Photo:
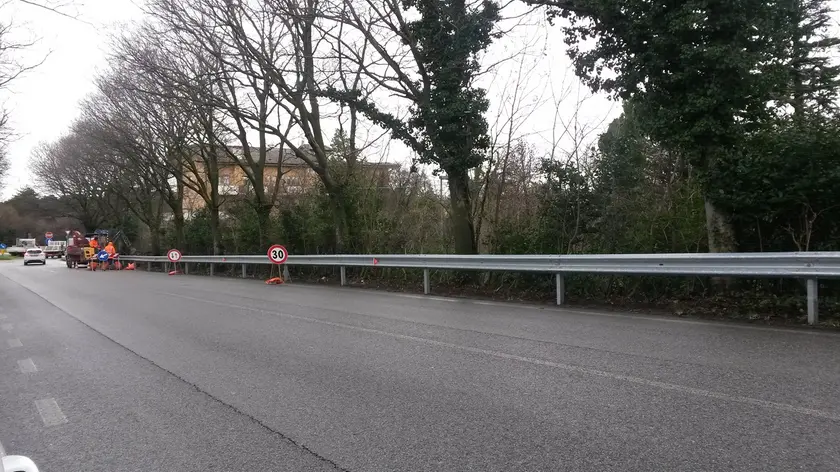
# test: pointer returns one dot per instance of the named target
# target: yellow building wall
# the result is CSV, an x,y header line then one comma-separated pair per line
x,y
233,184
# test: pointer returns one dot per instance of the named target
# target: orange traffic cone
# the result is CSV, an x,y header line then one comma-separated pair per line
x,y
274,281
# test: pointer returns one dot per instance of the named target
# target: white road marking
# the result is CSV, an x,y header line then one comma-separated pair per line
x,y
428,297
50,412
14,343
27,366
556,365
6,326
2,450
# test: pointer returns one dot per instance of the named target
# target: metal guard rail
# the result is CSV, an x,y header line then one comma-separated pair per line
x,y
806,265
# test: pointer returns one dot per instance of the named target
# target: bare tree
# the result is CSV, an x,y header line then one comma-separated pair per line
x,y
11,68
427,59
277,51
238,89
140,132
183,80
521,95
64,168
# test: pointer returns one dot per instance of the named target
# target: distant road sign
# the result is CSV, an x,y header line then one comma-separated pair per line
x,y
48,235
2,246
173,255
277,254
102,256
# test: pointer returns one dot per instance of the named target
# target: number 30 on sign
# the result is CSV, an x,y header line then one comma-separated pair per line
x,y
277,254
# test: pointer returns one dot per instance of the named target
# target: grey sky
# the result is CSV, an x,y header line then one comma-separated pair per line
x,y
45,101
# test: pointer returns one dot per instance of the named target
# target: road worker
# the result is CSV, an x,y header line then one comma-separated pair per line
x,y
111,250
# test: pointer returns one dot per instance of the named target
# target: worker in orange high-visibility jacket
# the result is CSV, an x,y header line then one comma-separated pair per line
x,y
111,250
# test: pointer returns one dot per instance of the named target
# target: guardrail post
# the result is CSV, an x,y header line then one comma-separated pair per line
x,y
186,268
244,270
813,301
560,281
286,276
343,276
211,269
427,285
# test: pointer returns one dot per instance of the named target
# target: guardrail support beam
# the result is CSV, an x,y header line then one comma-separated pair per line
x,y
427,284
286,276
560,282
813,301
211,269
244,270
186,268
343,276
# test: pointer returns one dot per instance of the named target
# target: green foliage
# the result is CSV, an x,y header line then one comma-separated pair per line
x,y
451,119
198,234
691,68
801,57
624,149
307,224
784,186
29,214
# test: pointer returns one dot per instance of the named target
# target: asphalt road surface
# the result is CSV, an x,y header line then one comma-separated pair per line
x,y
136,371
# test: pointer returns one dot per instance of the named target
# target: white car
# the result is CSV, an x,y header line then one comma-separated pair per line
x,y
34,256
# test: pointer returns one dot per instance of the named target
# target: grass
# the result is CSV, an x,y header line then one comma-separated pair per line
x,y
6,257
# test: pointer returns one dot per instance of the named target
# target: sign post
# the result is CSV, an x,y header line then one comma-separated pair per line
x,y
277,254
174,256
101,258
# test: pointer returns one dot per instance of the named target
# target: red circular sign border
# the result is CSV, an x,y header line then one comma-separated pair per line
x,y
285,251
170,252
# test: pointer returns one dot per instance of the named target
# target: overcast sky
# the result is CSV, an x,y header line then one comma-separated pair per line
x,y
45,101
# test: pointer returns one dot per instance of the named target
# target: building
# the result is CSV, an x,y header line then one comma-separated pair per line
x,y
296,177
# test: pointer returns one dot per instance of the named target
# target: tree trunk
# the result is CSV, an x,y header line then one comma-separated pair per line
x,y
463,229
178,223
719,229
264,222
339,212
178,216
215,232
155,240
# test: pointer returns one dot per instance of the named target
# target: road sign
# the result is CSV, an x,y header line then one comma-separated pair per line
x,y
48,235
277,254
102,256
2,246
173,255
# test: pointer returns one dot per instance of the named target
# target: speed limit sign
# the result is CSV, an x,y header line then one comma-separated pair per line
x,y
173,255
277,254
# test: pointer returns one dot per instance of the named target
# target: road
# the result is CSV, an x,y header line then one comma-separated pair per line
x,y
143,371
